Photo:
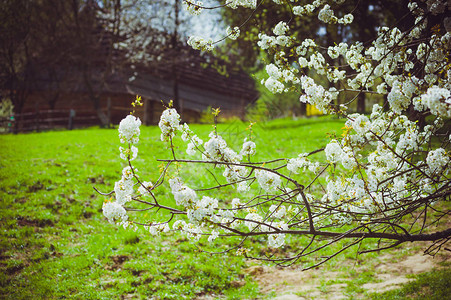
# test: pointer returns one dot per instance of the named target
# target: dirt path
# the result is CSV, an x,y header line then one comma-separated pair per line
x,y
293,284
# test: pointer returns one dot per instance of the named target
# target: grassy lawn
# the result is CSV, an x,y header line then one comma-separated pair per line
x,y
55,242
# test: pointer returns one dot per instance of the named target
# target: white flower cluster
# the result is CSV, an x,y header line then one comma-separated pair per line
x,y
216,149
203,208
382,163
199,211
279,39
155,229
113,211
256,222
380,61
129,129
295,165
437,160
194,141
337,50
183,195
145,187
273,83
333,152
169,124
252,4
326,15
277,211
277,240
306,9
385,177
234,33
316,94
248,148
438,101
128,153
194,232
401,94
281,28
347,19
201,44
193,7
268,181
253,220
123,189
266,41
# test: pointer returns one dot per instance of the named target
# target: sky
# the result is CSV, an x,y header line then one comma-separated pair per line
x,y
208,24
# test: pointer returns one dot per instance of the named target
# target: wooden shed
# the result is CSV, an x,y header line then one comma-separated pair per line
x,y
61,99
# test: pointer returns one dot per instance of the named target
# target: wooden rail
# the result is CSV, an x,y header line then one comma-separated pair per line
x,y
48,119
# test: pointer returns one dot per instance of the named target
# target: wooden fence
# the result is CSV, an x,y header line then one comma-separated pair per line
x,y
49,119
41,120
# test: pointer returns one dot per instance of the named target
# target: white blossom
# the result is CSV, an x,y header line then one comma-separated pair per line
x,y
268,180
248,148
326,15
169,124
438,100
129,129
114,212
281,28
128,153
333,152
254,220
437,160
183,195
234,33
199,43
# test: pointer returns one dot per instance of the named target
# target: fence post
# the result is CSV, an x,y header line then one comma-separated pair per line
x,y
72,114
108,111
37,120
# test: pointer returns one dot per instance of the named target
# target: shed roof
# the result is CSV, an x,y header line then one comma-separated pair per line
x,y
199,84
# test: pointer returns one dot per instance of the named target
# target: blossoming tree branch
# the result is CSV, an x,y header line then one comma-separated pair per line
x,y
387,178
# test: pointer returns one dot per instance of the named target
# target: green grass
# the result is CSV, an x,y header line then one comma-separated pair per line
x,y
55,242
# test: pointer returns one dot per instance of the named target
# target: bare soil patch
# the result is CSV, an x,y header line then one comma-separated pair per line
x,y
389,273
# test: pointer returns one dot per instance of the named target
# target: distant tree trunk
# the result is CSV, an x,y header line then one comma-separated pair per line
x,y
303,109
386,105
18,98
94,97
361,103
52,98
102,117
175,91
178,105
419,117
88,44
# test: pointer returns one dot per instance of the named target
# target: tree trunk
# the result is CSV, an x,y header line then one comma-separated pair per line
x,y
361,103
104,121
303,109
175,74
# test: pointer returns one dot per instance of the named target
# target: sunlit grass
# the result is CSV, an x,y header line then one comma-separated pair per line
x,y
55,242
